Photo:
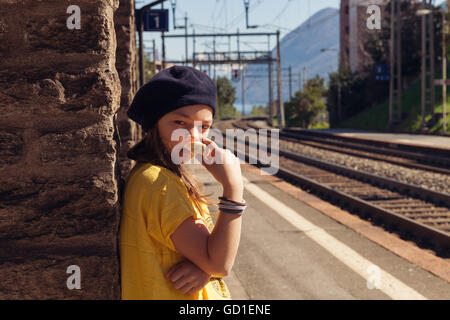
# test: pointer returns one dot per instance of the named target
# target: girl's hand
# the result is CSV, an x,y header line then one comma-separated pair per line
x,y
187,277
226,169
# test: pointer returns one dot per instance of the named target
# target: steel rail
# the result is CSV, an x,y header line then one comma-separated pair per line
x,y
439,238
375,152
425,153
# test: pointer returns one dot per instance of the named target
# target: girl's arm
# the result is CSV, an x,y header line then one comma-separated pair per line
x,y
187,277
215,252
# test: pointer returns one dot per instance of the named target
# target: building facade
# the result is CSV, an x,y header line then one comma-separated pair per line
x,y
353,30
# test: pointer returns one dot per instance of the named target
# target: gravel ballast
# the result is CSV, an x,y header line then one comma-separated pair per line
x,y
425,179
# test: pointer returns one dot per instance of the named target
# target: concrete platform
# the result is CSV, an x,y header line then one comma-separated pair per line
x,y
404,138
277,260
415,139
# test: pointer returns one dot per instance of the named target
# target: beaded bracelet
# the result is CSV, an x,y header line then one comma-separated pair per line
x,y
231,206
232,201
238,212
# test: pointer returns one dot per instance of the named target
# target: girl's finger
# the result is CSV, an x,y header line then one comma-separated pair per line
x,y
175,268
186,288
208,141
184,273
182,282
193,290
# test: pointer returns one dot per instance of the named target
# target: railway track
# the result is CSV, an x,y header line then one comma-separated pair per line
x,y
429,159
419,214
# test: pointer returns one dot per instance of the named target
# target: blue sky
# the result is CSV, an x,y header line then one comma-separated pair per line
x,y
205,16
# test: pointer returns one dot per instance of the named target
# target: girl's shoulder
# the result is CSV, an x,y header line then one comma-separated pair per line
x,y
154,175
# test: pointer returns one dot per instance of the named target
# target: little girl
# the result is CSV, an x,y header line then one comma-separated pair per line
x,y
169,247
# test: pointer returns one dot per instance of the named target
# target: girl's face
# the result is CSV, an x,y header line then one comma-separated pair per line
x,y
183,118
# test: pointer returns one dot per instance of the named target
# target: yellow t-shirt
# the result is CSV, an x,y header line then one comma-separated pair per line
x,y
155,202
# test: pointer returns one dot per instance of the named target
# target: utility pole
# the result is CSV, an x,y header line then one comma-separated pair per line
x,y
186,38
141,48
281,122
163,58
444,72
243,91
304,77
290,82
214,57
186,57
428,91
300,87
239,68
395,81
154,55
141,12
270,106
193,48
240,58
163,45
339,98
246,4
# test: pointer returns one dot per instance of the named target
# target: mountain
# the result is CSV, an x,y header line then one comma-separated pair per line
x,y
299,48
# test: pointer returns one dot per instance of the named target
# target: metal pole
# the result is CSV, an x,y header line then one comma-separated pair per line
x,y
239,66
239,51
398,56
391,69
339,99
243,91
270,105
163,58
141,49
290,82
431,59
154,55
339,87
444,73
304,77
186,38
300,79
246,15
423,61
141,35
281,122
193,48
214,56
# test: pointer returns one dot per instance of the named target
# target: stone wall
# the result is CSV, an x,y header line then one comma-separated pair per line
x,y
127,67
59,97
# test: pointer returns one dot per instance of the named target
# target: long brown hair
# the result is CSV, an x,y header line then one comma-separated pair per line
x,y
151,149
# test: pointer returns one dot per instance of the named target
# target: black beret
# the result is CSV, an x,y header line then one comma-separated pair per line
x,y
170,89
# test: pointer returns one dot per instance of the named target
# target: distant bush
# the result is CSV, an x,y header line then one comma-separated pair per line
x,y
226,96
260,111
304,108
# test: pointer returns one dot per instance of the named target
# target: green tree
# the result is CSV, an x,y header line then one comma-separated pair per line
x,y
226,96
358,92
260,111
149,71
303,109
